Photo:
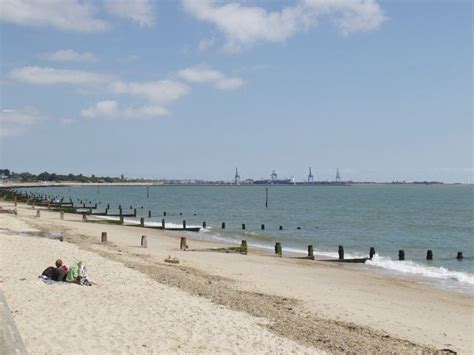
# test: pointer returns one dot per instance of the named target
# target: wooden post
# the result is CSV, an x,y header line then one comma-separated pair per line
x,y
263,227
163,223
340,251
429,255
38,213
183,245
204,224
281,228
223,225
459,256
184,224
84,218
278,249
310,251
149,214
401,254
243,247
142,222
15,202
144,243
164,213
61,215
371,252
121,220
266,197
134,212
243,226
103,238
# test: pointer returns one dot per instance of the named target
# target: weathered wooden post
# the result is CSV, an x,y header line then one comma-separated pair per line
x,y
243,247
278,249
243,226
371,252
263,227
144,243
38,213
184,224
163,223
149,214
340,251
134,212
103,237
310,252
84,218
401,254
266,197
142,222
61,215
223,225
183,245
204,225
15,204
121,220
459,256
429,255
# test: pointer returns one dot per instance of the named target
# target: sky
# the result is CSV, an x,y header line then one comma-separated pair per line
x,y
381,90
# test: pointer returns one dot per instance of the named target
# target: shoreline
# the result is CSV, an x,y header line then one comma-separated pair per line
x,y
261,272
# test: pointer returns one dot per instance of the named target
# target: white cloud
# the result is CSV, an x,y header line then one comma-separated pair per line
x,y
246,25
139,11
205,44
69,55
67,15
161,91
351,15
109,109
51,76
205,74
17,122
66,121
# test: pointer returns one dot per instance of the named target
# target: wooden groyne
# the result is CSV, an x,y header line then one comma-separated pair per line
x,y
88,208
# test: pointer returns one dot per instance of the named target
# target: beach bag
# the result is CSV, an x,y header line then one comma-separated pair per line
x,y
49,272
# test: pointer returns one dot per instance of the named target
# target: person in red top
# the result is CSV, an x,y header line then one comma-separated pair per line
x,y
61,271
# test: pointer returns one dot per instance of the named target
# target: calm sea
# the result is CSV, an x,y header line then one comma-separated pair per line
x,y
387,217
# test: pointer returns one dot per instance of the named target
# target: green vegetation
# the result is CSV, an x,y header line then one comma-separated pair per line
x,y
6,174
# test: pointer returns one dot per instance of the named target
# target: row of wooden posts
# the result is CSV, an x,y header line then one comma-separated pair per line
x,y
278,246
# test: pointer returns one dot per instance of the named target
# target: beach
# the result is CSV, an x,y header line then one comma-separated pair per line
x,y
212,301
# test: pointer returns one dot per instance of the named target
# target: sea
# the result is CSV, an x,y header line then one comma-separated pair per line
x,y
413,218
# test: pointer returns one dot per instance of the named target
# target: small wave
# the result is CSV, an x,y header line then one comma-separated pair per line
x,y
410,267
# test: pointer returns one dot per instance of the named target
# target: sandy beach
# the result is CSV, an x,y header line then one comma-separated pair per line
x,y
212,301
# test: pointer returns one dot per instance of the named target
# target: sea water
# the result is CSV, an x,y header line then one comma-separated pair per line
x,y
414,218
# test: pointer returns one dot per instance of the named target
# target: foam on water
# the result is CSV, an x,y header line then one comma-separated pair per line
x,y
413,268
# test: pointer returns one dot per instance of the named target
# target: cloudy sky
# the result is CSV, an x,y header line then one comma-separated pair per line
x,y
381,90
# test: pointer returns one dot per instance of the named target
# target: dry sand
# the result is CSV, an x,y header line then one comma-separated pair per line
x,y
260,303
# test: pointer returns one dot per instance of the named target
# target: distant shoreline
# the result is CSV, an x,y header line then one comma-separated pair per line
x,y
345,184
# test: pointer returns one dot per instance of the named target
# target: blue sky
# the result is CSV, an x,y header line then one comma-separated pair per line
x,y
381,90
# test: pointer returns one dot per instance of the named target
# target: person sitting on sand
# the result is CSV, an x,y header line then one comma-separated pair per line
x,y
61,271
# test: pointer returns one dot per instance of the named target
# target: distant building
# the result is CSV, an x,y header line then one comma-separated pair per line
x,y
237,177
274,176
310,176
